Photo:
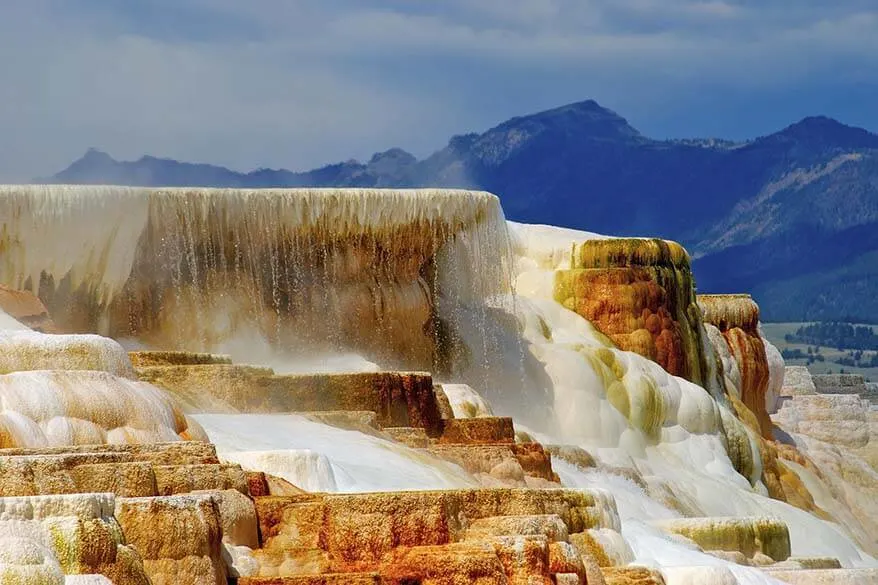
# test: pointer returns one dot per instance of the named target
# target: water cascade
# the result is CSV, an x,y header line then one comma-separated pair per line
x,y
284,272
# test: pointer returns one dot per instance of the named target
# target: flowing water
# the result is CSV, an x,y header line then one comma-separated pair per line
x,y
323,279
266,275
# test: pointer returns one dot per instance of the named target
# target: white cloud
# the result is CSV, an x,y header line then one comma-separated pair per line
x,y
243,104
297,84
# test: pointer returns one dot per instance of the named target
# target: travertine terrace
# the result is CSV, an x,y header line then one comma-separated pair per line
x,y
277,387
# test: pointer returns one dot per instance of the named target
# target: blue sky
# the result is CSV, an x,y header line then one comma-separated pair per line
x,y
300,83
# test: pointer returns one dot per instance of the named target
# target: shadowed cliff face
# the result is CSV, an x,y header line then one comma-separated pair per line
x,y
737,318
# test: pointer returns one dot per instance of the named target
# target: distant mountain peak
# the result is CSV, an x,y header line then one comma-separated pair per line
x,y
577,122
587,117
94,161
95,155
827,132
151,158
811,124
396,154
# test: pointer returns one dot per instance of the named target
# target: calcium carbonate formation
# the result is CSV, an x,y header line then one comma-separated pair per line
x,y
666,410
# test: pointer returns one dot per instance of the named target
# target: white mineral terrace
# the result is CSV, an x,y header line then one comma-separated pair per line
x,y
94,233
394,279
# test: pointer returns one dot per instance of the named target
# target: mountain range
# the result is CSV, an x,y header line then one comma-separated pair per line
x,y
791,217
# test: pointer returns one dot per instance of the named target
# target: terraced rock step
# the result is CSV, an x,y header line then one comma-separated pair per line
x,y
77,532
438,513
123,470
494,536
549,525
325,579
827,576
839,383
404,406
364,421
399,399
840,419
79,473
178,537
503,462
180,479
474,431
172,453
444,565
748,535
633,576
797,381
793,563
438,537
409,436
140,359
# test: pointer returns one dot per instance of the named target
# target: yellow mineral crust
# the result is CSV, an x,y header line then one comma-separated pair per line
x,y
768,536
178,537
23,561
175,358
75,534
629,252
640,293
730,311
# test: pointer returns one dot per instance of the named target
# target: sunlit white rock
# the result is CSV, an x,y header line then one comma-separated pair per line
x,y
31,350
775,375
7,323
466,402
44,408
25,561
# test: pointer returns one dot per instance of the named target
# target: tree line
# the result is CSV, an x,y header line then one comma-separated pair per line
x,y
841,336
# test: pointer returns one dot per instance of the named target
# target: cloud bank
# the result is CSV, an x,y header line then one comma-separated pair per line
x,y
301,83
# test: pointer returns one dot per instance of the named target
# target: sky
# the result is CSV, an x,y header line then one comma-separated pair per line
x,y
300,83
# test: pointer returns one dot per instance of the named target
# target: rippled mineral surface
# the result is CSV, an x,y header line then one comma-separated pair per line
x,y
321,386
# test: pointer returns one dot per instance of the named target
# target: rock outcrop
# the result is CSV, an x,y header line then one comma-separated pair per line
x,y
298,270
27,309
61,535
840,419
833,429
749,536
641,294
756,377
839,384
32,350
797,381
79,407
399,399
